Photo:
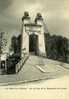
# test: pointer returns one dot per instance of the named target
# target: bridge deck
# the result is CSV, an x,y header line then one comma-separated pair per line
x,y
35,69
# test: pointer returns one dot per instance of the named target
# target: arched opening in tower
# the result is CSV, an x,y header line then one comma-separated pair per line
x,y
33,44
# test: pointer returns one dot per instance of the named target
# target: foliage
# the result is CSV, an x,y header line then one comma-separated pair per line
x,y
56,47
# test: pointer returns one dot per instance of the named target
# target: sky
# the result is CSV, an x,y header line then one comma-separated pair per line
x,y
54,12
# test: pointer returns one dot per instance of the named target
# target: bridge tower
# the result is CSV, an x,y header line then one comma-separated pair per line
x,y
33,35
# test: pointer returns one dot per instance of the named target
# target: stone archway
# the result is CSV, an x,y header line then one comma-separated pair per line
x,y
33,44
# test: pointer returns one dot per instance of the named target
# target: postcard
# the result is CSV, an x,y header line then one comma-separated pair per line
x,y
34,49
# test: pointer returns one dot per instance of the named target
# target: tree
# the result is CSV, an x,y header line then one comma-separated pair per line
x,y
19,43
15,57
3,43
14,44
56,47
